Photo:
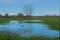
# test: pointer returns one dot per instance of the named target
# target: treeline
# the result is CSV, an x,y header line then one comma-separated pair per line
x,y
18,15
27,15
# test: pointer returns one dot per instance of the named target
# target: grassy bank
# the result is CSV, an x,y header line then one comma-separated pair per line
x,y
53,22
5,36
5,20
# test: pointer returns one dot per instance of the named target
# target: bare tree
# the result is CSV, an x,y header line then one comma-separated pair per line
x,y
28,10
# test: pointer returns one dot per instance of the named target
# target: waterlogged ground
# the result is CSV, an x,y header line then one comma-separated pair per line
x,y
26,29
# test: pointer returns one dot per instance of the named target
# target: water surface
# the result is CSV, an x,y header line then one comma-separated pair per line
x,y
30,29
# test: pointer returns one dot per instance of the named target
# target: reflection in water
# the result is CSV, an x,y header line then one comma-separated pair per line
x,y
29,29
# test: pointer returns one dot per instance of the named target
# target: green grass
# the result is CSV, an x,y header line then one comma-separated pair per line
x,y
53,22
5,36
5,20
10,36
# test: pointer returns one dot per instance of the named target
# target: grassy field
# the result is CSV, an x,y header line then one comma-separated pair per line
x,y
53,22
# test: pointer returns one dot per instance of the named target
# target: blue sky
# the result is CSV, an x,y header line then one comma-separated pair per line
x,y
40,7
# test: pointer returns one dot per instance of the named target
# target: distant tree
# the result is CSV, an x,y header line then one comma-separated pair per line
x,y
20,15
12,15
28,15
1,15
6,15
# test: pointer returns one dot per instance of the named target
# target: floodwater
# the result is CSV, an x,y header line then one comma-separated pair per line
x,y
29,29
